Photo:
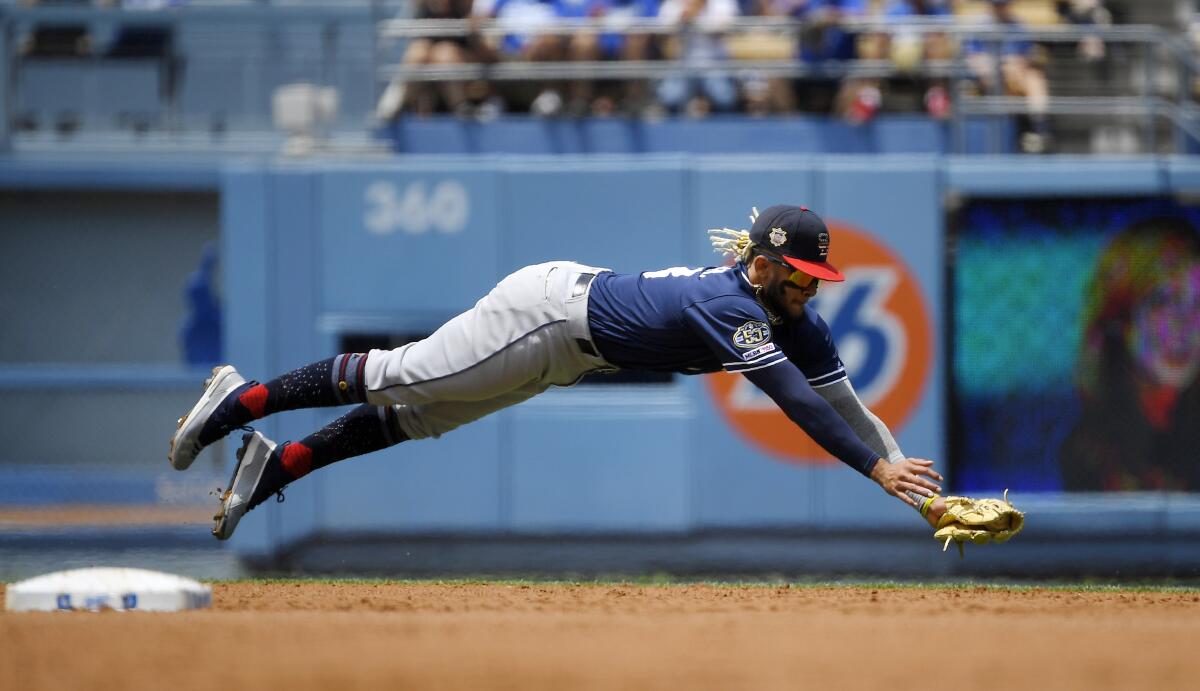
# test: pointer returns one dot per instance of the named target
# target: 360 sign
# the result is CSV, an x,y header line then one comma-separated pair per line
x,y
882,328
446,207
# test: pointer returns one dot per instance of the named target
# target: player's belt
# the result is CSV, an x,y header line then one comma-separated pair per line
x,y
581,284
579,289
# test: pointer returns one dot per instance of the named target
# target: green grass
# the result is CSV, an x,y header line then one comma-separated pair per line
x,y
655,580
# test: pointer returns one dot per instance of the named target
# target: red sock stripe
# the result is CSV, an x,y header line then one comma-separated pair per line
x,y
255,400
362,367
297,460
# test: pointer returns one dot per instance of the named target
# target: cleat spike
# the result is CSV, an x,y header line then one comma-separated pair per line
x,y
252,457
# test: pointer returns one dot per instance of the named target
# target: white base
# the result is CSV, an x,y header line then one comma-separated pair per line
x,y
101,588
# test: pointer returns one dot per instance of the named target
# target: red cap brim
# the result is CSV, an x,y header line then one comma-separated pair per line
x,y
822,270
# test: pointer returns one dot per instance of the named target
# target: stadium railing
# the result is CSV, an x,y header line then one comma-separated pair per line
x,y
1143,100
1156,49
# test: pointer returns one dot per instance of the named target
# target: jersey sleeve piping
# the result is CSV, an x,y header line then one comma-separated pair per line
x,y
826,379
762,358
751,366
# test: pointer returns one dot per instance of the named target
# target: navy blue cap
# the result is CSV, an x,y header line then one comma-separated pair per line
x,y
799,237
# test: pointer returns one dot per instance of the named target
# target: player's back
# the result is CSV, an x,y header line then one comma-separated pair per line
x,y
638,320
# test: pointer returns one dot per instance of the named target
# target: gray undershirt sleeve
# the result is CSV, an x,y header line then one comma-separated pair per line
x,y
869,428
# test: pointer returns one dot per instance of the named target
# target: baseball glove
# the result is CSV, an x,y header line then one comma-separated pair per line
x,y
979,521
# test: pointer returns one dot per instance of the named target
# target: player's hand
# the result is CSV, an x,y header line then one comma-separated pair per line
x,y
910,475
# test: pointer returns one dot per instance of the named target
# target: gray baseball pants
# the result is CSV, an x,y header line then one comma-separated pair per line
x,y
528,334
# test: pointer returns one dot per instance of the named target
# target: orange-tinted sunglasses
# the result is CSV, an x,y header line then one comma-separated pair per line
x,y
801,279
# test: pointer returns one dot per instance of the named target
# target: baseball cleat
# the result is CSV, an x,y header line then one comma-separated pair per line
x,y
247,476
185,445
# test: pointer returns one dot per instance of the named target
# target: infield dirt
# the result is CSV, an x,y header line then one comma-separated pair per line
x,y
477,636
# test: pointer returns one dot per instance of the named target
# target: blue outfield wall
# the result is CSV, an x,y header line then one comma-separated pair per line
x,y
718,134
316,250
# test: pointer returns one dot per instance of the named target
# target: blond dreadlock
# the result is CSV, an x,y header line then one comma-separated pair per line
x,y
731,242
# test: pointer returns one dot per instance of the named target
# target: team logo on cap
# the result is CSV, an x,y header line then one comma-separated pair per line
x,y
751,334
778,237
823,244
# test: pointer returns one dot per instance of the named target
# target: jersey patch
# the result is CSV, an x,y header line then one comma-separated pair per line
x,y
762,349
751,334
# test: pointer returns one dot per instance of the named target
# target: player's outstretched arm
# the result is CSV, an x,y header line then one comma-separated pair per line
x,y
869,428
879,438
791,392
911,476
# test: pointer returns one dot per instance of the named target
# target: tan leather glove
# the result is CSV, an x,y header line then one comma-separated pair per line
x,y
979,521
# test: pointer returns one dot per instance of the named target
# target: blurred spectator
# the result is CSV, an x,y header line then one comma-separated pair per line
x,y
530,24
1086,13
582,46
142,4
907,49
824,38
1016,73
630,46
595,46
531,38
421,97
823,35
762,94
697,41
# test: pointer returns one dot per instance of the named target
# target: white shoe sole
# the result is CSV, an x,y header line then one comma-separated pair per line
x,y
185,445
252,459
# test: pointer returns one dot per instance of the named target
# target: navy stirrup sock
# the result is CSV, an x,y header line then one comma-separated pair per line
x,y
365,429
333,382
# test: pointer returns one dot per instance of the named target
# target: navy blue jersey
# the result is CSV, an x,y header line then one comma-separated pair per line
x,y
704,320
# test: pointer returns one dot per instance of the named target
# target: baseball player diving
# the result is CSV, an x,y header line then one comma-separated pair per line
x,y
549,325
